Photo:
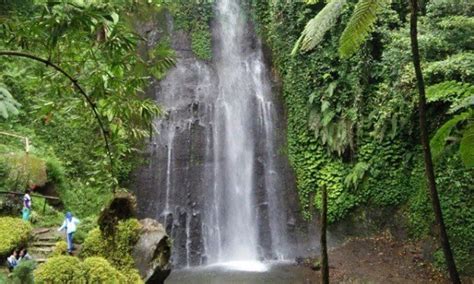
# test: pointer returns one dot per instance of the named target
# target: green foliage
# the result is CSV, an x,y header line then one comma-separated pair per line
x,y
317,27
360,25
466,147
60,269
449,91
438,141
201,44
87,224
50,217
132,276
455,192
116,249
99,270
60,248
160,59
23,272
25,170
8,105
357,175
374,92
97,44
195,18
14,232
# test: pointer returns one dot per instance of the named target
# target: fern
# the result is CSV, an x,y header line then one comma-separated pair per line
x,y
359,26
464,103
466,148
8,105
449,91
317,27
439,139
357,175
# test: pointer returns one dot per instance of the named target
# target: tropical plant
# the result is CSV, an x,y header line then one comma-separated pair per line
x,y
355,33
357,29
8,105
97,47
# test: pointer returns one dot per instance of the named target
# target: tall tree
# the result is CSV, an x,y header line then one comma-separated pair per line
x,y
355,33
425,142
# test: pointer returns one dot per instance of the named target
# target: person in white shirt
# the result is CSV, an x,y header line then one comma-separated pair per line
x,y
70,224
26,211
12,260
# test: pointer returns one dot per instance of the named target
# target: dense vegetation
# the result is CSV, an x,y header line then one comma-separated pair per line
x,y
352,124
96,45
73,76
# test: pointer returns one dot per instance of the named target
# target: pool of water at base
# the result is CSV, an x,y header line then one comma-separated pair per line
x,y
244,273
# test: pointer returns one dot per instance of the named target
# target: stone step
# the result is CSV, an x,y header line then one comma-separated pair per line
x,y
40,231
46,238
40,260
43,244
40,249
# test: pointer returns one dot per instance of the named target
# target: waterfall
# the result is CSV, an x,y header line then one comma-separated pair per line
x,y
217,179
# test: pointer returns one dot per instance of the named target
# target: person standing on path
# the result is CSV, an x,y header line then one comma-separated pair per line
x,y
70,224
26,211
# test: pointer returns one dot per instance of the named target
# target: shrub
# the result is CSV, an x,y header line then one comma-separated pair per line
x,y
23,273
99,270
132,276
93,244
14,232
55,170
59,249
117,248
87,224
60,269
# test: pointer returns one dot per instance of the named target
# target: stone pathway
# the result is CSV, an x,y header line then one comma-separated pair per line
x,y
42,245
43,242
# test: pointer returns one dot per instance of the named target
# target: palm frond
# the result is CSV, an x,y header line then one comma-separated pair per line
x,y
360,25
317,27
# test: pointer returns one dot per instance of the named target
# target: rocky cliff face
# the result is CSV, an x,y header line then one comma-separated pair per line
x,y
185,181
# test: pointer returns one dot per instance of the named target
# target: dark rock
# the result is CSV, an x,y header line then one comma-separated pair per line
x,y
152,252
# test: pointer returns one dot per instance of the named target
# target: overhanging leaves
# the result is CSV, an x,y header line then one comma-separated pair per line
x,y
360,25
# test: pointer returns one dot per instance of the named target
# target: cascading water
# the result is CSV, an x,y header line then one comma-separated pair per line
x,y
216,178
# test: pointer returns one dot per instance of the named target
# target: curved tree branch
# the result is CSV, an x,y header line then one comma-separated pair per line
x,y
78,87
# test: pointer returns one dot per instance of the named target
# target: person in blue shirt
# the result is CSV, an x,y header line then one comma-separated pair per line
x,y
70,224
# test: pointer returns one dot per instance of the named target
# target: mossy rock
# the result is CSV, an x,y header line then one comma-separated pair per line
x,y
14,233
121,207
60,269
115,248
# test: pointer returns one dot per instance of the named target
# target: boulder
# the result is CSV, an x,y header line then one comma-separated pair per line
x,y
152,252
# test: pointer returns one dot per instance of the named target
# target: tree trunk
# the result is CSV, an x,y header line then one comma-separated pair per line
x,y
429,170
324,247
